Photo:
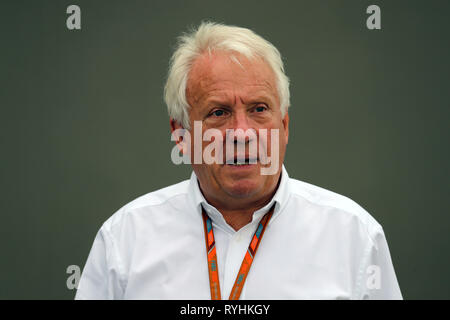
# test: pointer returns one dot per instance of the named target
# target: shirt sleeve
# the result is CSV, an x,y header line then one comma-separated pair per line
x,y
376,278
100,279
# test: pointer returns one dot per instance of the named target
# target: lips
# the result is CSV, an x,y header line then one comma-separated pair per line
x,y
236,161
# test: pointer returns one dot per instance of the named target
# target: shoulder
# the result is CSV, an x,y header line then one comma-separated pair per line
x,y
336,207
148,204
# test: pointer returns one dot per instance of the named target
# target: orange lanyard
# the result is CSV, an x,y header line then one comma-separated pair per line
x,y
213,268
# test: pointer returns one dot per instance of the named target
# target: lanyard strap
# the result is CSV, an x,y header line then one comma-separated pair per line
x,y
213,269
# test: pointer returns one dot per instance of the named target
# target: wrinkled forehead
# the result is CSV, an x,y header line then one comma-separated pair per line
x,y
219,71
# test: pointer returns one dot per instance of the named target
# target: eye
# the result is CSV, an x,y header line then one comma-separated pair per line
x,y
218,113
260,109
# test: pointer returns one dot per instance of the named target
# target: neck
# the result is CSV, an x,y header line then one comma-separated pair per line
x,y
239,217
239,212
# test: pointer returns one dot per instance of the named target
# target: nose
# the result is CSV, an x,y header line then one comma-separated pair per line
x,y
240,125
240,120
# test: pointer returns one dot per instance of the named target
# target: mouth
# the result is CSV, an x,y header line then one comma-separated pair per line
x,y
241,161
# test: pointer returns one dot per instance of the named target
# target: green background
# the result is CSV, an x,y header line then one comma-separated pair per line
x,y
84,129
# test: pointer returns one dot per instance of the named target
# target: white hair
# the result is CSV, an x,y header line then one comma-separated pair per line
x,y
208,37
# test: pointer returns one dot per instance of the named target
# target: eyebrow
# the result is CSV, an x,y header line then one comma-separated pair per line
x,y
216,101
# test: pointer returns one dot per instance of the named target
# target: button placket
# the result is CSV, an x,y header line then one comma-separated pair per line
x,y
235,254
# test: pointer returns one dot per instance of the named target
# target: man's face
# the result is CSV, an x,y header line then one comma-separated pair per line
x,y
225,95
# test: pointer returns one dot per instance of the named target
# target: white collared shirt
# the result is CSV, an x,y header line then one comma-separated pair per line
x,y
318,245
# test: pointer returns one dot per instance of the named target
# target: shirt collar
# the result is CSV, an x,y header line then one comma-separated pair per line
x,y
280,199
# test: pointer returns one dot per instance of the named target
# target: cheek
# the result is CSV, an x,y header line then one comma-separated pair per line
x,y
275,138
283,137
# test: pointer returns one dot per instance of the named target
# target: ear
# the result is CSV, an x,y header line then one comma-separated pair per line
x,y
175,125
286,126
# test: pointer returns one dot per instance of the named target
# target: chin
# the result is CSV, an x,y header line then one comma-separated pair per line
x,y
243,188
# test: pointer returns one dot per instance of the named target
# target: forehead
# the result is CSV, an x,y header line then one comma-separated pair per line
x,y
224,74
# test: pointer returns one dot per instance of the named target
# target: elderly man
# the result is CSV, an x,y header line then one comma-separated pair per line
x,y
236,229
